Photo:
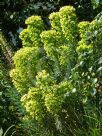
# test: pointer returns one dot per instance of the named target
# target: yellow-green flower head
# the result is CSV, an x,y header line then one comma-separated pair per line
x,y
54,15
67,9
33,20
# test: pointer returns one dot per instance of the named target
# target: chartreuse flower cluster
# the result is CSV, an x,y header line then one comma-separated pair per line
x,y
53,62
31,36
25,68
69,23
83,46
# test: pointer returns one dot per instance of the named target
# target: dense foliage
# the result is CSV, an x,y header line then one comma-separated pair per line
x,y
58,74
9,117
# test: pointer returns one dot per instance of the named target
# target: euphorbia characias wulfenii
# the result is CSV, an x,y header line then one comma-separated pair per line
x,y
50,70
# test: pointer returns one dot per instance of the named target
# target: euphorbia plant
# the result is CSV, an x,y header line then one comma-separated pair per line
x,y
52,70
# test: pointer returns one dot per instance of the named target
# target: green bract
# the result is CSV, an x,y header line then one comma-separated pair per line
x,y
31,36
69,23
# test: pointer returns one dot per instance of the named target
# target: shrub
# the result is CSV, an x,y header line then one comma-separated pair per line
x,y
58,73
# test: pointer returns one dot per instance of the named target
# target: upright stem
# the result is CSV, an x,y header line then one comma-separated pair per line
x,y
6,48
